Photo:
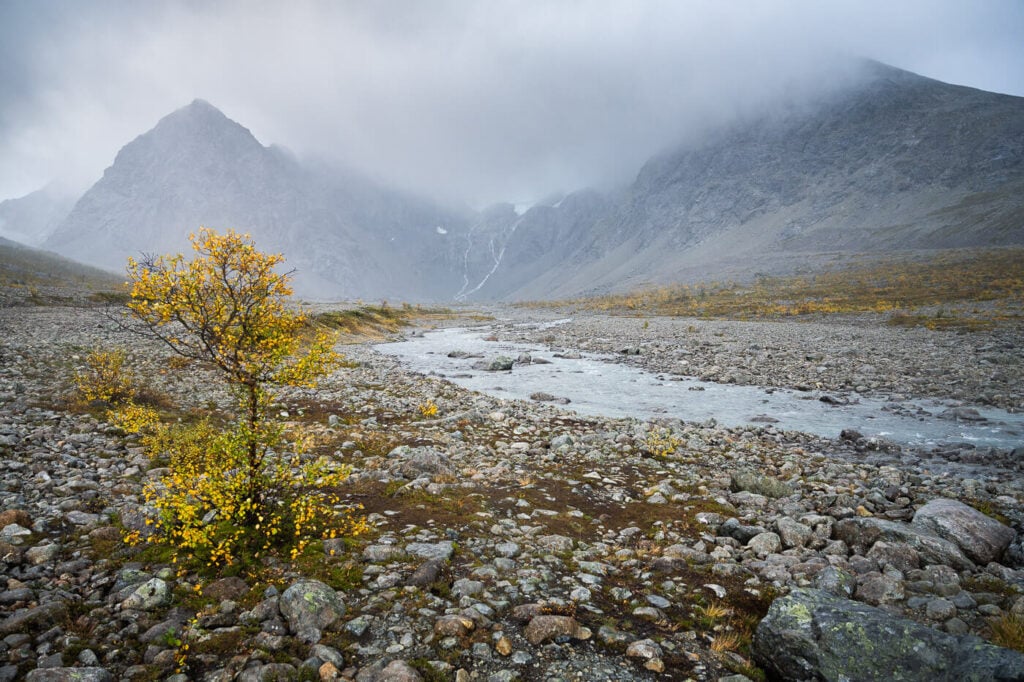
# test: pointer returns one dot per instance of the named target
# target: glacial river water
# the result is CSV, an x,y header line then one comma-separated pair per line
x,y
597,386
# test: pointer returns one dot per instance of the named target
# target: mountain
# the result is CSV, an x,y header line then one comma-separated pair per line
x,y
32,218
344,234
898,161
892,161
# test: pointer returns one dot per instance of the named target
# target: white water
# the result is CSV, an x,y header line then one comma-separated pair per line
x,y
596,386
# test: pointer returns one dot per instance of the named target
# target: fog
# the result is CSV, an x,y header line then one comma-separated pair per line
x,y
463,101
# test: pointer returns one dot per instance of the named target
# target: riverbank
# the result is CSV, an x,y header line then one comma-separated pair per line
x,y
841,354
511,539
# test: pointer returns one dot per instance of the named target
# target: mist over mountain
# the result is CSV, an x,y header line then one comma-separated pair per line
x,y
30,219
344,234
898,161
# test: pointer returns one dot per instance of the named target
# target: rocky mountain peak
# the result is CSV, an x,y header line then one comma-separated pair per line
x,y
196,130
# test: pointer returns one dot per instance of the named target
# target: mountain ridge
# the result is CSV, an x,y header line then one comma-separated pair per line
x,y
198,167
897,161
901,161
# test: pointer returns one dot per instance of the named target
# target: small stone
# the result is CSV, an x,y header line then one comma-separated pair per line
x,y
982,539
717,590
14,533
655,665
940,609
398,671
507,549
453,626
358,625
81,518
658,601
555,543
837,582
879,588
465,587
226,588
328,671
792,533
580,594
40,554
955,626
644,648
503,646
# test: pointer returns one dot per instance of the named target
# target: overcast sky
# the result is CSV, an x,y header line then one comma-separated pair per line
x,y
479,101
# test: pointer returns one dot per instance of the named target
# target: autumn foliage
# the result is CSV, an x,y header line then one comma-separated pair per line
x,y
249,489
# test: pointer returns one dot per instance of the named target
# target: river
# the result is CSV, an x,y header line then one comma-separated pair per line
x,y
597,385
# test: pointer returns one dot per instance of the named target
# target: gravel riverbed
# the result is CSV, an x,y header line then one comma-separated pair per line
x,y
515,540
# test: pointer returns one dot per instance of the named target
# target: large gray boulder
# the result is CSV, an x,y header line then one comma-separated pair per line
x,y
981,538
815,635
311,607
861,533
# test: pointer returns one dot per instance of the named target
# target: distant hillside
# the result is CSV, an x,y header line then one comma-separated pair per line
x,y
32,218
31,276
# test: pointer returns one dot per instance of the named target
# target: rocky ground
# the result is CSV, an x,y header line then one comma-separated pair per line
x,y
513,540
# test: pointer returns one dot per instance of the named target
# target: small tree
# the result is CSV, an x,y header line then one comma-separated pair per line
x,y
228,307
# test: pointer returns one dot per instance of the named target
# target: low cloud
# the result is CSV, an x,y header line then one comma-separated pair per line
x,y
463,101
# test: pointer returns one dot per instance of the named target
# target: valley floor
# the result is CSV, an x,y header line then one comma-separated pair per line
x,y
516,540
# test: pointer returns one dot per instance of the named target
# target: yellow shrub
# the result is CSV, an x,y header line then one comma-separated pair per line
x,y
105,378
133,418
428,409
210,509
233,495
662,442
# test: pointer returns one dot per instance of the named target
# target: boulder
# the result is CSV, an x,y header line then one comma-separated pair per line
x,y
226,588
759,484
793,533
310,607
420,461
860,533
544,628
151,595
814,635
981,538
36,618
502,363
441,551
764,544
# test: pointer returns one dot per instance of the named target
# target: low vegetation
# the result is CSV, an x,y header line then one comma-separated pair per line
x,y
934,292
370,322
32,277
1008,631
